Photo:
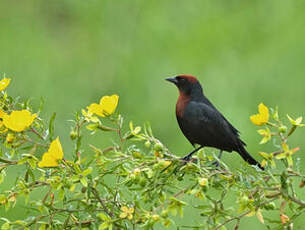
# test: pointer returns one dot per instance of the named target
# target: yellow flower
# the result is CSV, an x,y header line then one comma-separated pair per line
x,y
4,83
203,182
262,117
55,153
127,213
18,120
106,107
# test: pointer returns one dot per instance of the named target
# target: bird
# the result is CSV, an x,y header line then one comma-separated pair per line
x,y
202,124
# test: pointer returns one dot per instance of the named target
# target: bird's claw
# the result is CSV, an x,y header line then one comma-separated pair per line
x,y
216,164
186,159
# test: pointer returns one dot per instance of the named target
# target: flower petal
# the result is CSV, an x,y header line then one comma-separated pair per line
x,y
264,111
131,210
257,119
4,83
96,109
109,104
130,216
123,215
47,161
262,117
55,150
18,120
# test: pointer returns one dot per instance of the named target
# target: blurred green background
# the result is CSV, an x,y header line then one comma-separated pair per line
x,y
71,52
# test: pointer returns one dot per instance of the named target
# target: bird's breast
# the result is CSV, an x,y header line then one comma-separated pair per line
x,y
182,102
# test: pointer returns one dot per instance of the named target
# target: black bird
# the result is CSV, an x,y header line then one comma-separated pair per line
x,y
201,123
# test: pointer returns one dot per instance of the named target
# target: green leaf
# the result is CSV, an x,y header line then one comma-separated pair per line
x,y
84,181
42,227
29,173
20,222
51,127
61,194
92,127
103,216
266,155
32,163
275,114
5,226
103,226
131,126
87,171
105,128
2,175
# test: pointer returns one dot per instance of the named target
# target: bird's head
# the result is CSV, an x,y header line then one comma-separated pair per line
x,y
187,84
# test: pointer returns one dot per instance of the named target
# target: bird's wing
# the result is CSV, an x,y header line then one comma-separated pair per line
x,y
208,103
212,127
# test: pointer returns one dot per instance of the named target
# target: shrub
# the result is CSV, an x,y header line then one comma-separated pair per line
x,y
136,182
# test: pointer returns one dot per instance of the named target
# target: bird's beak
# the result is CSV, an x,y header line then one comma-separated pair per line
x,y
172,80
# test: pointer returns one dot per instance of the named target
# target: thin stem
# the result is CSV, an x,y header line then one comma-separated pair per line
x,y
37,133
96,194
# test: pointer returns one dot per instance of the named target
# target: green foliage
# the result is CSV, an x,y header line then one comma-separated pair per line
x,y
137,183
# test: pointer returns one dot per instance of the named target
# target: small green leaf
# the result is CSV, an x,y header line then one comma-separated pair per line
x,y
42,227
275,114
103,216
84,181
2,175
87,171
51,127
5,226
61,194
103,226
92,127
265,155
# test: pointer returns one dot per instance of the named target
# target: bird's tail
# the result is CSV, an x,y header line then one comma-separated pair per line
x,y
248,158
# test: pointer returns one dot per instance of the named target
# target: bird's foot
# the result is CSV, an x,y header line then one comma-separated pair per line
x,y
215,163
186,158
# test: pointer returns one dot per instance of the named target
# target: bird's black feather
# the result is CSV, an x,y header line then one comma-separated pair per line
x,y
201,123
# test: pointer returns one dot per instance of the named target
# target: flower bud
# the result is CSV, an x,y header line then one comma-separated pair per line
x,y
137,171
147,144
203,182
155,217
73,135
270,206
244,200
10,138
143,181
158,147
137,155
282,129
164,213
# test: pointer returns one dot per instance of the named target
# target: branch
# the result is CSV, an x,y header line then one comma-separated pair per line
x,y
238,218
96,194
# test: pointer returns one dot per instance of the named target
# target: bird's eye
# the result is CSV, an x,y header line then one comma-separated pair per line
x,y
180,79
